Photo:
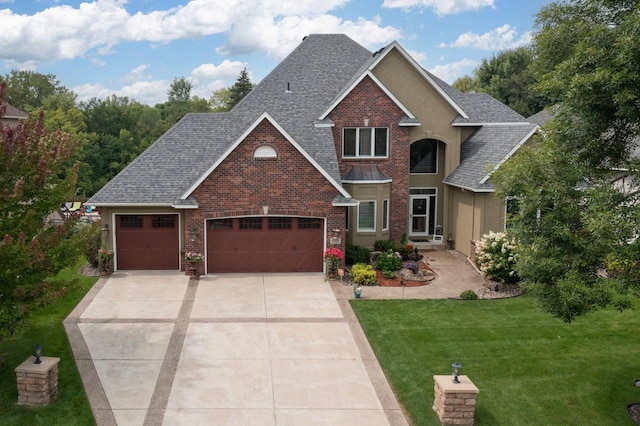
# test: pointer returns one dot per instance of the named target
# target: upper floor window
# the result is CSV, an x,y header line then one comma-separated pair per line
x,y
424,156
365,142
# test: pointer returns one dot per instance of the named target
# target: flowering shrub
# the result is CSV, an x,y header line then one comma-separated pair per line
x,y
389,262
496,257
192,256
332,256
105,260
363,274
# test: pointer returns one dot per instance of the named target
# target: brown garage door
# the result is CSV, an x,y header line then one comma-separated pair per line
x,y
265,244
147,241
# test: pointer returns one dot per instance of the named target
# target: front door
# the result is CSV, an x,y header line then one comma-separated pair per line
x,y
419,215
422,211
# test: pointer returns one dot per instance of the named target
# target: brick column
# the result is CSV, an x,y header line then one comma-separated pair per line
x,y
455,403
37,383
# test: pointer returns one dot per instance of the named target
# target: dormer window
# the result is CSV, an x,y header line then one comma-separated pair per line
x,y
365,142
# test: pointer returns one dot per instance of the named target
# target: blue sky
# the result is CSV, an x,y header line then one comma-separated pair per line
x,y
135,48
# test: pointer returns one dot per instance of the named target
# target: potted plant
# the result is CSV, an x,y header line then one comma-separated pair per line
x,y
357,291
332,257
194,259
105,261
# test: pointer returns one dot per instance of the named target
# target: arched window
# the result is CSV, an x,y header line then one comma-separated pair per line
x,y
265,152
424,156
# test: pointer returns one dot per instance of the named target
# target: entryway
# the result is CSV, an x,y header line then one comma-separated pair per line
x,y
422,211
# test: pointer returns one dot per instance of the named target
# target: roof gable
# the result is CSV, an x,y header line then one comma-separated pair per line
x,y
242,137
484,151
381,54
354,84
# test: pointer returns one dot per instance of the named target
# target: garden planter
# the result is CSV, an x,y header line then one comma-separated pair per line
x,y
194,270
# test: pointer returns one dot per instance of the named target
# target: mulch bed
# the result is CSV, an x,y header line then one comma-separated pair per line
x,y
634,412
403,281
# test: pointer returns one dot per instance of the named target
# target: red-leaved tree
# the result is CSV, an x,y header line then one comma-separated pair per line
x,y
36,177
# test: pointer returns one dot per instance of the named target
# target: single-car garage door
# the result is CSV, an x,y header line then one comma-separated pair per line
x,y
265,244
147,241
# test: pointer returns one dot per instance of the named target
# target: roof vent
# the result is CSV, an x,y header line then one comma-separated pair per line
x,y
288,88
304,38
377,52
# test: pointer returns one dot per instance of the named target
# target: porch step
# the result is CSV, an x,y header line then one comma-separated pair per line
x,y
428,245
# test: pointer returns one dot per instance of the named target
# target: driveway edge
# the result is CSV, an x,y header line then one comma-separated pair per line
x,y
87,370
392,408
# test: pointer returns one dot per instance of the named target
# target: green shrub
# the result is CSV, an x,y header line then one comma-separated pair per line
x,y
468,295
496,257
383,245
91,237
363,274
389,261
356,254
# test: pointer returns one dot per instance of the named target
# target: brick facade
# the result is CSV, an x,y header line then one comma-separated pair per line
x,y
241,185
367,101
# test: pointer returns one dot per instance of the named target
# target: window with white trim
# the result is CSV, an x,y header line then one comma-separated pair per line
x,y
365,142
385,215
367,216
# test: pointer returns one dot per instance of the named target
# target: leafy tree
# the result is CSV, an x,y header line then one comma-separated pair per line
x,y
573,214
240,88
220,100
27,90
465,84
33,183
180,90
109,116
509,78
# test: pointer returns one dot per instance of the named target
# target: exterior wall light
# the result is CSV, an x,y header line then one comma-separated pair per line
x,y
38,352
456,372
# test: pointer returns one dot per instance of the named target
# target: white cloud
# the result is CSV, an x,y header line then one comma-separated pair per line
x,y
418,56
226,70
280,37
501,38
146,92
451,72
137,74
207,78
440,7
140,85
96,27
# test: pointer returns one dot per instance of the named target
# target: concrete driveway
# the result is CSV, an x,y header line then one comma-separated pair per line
x,y
155,348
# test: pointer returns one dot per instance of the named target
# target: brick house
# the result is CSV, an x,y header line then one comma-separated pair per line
x,y
12,115
337,142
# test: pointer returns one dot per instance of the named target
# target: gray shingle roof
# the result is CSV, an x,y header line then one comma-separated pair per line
x,y
485,149
365,173
314,72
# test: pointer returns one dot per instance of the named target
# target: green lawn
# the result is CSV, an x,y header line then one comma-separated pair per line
x,y
530,368
45,327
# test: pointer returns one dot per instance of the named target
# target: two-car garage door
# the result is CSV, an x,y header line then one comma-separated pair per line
x,y
246,244
265,244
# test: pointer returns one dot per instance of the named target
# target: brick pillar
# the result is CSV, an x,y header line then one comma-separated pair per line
x,y
37,383
455,403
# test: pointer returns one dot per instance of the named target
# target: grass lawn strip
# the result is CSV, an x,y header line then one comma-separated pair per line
x,y
530,368
70,407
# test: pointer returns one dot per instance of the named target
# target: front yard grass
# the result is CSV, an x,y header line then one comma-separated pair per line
x,y
530,368
71,406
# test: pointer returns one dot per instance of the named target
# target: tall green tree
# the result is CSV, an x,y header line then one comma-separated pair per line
x,y
34,182
575,212
27,90
240,88
508,77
